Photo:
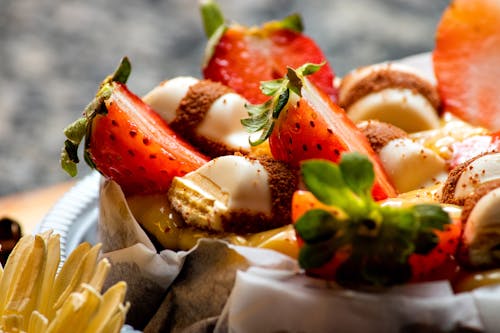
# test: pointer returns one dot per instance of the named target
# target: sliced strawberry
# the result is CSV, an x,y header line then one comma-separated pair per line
x,y
345,236
242,57
466,61
440,263
468,148
129,142
310,125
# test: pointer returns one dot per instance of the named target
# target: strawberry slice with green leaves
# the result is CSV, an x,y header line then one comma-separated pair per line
x,y
348,237
127,141
241,57
466,58
301,122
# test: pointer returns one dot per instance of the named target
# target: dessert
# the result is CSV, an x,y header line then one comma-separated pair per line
x,y
369,208
391,93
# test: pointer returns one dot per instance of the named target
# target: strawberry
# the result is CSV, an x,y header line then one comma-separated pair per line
x,y
466,61
301,123
127,141
242,57
468,148
440,263
345,236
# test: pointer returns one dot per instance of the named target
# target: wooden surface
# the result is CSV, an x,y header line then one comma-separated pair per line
x,y
28,208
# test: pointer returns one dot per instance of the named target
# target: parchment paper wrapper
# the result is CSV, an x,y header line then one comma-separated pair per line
x,y
224,288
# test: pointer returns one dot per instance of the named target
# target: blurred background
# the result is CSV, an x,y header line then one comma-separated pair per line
x,y
54,53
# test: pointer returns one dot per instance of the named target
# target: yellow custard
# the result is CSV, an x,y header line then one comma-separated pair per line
x,y
157,218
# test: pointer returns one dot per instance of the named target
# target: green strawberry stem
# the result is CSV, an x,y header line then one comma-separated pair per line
x,y
80,129
211,16
380,239
262,117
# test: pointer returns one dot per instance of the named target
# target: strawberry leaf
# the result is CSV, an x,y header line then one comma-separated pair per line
x,y
315,255
279,91
358,173
292,22
381,238
211,16
78,130
317,225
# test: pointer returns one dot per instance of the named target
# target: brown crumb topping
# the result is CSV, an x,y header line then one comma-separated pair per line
x,y
380,133
385,78
192,110
283,183
471,200
448,191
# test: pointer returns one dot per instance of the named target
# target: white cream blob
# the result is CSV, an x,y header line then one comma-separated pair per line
x,y
410,165
222,122
479,171
165,97
482,230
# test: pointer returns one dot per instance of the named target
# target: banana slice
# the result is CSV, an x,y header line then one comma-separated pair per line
x,y
391,93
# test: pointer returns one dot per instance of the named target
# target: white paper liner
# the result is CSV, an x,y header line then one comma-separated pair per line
x,y
240,289
287,302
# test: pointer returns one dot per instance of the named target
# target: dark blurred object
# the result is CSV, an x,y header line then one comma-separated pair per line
x,y
10,233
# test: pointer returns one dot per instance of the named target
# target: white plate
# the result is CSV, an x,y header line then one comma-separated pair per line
x,y
74,216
